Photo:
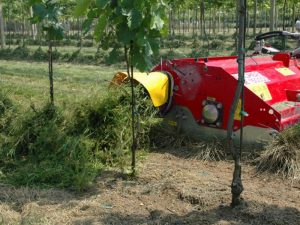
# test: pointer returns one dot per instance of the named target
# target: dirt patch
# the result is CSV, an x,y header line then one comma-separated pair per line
x,y
167,190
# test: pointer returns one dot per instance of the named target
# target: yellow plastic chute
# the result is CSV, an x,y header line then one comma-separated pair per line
x,y
156,83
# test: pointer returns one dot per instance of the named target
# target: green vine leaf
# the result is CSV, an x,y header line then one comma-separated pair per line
x,y
99,28
102,3
134,19
136,24
81,7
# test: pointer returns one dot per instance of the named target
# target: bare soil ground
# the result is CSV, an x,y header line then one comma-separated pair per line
x,y
168,190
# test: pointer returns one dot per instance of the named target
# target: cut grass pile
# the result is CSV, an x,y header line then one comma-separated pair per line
x,y
184,146
68,146
282,155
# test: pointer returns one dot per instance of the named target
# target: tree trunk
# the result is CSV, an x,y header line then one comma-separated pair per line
x,y
209,21
196,21
2,27
213,21
170,22
236,25
183,22
51,72
23,31
224,22
254,17
202,18
193,21
15,27
272,15
33,27
189,20
128,59
10,24
219,22
248,22
293,19
276,17
266,20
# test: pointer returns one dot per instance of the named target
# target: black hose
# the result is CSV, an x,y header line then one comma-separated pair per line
x,y
269,35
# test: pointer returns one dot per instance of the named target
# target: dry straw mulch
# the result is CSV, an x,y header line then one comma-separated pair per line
x,y
282,155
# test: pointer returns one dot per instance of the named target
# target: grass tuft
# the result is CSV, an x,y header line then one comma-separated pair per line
x,y
282,155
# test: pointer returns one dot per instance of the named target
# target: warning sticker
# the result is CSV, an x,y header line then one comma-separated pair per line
x,y
261,90
253,78
237,113
285,71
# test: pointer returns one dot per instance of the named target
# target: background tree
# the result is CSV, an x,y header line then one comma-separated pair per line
x,y
47,12
254,17
137,26
2,27
272,14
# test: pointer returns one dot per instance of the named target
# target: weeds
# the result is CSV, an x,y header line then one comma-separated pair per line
x,y
282,155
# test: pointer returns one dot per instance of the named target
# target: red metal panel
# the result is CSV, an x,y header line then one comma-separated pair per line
x,y
268,82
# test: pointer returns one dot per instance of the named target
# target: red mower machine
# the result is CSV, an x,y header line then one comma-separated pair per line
x,y
195,94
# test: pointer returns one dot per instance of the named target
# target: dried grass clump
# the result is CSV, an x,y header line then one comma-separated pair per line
x,y
212,150
282,155
184,146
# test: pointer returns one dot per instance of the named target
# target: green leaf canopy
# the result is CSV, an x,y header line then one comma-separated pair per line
x,y
47,13
136,24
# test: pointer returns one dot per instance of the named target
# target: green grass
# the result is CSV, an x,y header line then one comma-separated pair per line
x,y
27,82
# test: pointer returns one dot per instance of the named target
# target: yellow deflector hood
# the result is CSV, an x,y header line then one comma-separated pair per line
x,y
156,83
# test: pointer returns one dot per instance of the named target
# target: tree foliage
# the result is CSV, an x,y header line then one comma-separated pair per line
x,y
134,24
47,13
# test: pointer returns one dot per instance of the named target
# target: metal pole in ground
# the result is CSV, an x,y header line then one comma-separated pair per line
x,y
236,185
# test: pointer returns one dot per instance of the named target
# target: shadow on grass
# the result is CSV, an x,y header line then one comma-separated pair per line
x,y
253,213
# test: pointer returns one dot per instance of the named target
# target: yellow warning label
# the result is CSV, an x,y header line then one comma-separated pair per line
x,y
261,90
285,71
237,114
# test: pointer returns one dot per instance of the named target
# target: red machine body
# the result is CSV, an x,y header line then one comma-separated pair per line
x,y
272,93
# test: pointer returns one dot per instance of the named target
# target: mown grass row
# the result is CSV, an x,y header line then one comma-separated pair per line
x,y
59,146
